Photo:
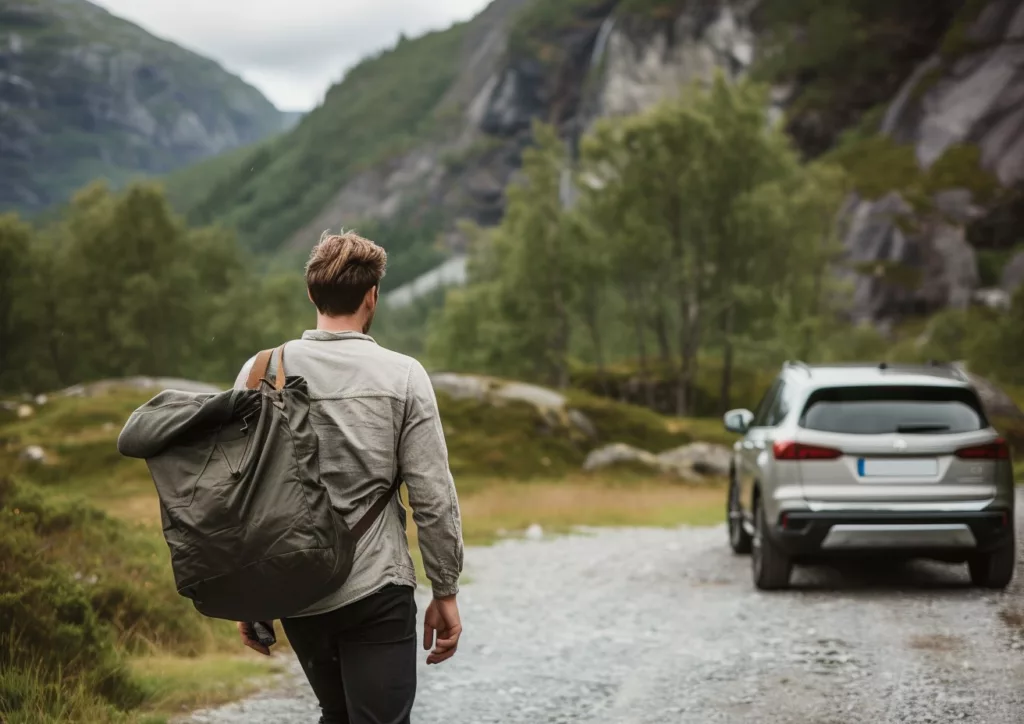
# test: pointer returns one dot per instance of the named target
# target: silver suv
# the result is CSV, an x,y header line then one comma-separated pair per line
x,y
865,459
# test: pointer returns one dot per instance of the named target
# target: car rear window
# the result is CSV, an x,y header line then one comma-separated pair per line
x,y
883,410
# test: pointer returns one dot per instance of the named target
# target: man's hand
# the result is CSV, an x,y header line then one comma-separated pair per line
x,y
250,640
441,620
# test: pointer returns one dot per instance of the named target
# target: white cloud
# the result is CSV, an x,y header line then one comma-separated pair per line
x,y
292,51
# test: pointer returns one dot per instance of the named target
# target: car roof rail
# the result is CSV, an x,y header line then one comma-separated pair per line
x,y
797,364
951,367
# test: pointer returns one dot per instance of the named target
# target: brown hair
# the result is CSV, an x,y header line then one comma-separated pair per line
x,y
341,270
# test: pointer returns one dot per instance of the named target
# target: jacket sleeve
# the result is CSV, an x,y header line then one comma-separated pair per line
x,y
243,374
423,465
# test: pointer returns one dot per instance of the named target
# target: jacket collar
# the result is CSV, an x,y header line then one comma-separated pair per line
x,y
319,335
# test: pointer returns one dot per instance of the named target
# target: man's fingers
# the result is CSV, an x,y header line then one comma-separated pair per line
x,y
257,646
448,643
437,658
428,636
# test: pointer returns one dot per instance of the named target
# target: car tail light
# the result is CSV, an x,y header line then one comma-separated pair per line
x,y
997,450
799,451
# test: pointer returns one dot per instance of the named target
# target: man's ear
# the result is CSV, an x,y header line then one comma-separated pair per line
x,y
370,300
309,295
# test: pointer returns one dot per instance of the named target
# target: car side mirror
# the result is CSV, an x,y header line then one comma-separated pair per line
x,y
738,421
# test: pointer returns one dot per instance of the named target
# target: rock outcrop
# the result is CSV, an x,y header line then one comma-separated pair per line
x,y
974,95
695,463
84,94
969,94
551,405
903,267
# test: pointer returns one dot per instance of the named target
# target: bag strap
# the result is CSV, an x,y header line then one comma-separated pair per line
x,y
260,366
360,528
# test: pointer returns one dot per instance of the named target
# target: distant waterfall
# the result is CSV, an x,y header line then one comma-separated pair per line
x,y
601,45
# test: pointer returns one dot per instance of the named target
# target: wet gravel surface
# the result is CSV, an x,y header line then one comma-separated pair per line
x,y
631,626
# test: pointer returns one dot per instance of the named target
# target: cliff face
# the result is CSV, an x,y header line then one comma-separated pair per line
x,y
961,115
600,63
84,94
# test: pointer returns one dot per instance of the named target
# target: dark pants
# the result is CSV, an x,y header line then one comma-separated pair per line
x,y
361,659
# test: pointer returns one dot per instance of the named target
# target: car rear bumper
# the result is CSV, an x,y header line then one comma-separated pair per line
x,y
831,533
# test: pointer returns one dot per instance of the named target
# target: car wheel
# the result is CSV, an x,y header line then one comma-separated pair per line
x,y
994,569
739,540
770,564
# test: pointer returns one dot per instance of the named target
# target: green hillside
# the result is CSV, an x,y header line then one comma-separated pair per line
x,y
383,107
87,95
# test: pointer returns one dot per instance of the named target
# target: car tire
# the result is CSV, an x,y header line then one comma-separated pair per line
x,y
740,540
994,569
770,564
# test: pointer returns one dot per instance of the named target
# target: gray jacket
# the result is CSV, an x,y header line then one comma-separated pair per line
x,y
376,417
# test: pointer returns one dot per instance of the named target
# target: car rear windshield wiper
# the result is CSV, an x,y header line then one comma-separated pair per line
x,y
922,427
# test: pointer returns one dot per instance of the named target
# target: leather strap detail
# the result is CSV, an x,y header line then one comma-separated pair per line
x,y
280,378
260,366
259,369
360,528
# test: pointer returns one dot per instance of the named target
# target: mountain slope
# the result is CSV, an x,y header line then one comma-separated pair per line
x,y
84,94
919,101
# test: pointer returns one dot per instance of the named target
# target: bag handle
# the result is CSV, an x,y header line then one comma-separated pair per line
x,y
260,366
360,528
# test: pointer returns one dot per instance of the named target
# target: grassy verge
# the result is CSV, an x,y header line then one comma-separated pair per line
x,y
173,684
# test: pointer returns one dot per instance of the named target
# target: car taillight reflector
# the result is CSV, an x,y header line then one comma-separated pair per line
x,y
997,450
800,451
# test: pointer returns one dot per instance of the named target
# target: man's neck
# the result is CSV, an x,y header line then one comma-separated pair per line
x,y
352,323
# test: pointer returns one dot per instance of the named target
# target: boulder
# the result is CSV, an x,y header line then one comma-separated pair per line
x,y
1013,274
540,397
33,454
25,411
154,384
460,387
693,463
697,461
551,405
582,423
620,454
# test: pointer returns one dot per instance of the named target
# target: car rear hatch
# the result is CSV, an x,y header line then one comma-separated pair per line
x,y
867,447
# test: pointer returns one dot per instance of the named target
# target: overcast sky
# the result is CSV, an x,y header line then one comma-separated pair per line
x,y
292,50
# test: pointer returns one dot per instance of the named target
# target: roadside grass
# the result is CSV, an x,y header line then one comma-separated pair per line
x,y
173,684
498,509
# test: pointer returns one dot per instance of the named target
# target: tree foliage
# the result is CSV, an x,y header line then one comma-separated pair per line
x,y
121,286
695,226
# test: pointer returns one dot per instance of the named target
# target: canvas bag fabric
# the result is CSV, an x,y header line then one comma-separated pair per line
x,y
250,526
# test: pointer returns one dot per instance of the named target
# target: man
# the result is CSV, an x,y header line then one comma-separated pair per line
x,y
376,418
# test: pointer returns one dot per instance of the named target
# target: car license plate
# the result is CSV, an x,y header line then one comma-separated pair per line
x,y
897,467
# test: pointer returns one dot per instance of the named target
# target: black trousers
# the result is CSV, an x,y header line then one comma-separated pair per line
x,y
361,659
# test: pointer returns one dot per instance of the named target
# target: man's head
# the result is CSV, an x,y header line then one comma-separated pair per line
x,y
343,277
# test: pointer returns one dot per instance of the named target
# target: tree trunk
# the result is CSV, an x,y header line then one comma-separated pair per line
x,y
635,306
725,402
661,330
593,325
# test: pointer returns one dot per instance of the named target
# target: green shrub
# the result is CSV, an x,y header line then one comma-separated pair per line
x,y
78,590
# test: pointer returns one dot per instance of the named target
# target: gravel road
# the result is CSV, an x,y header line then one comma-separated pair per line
x,y
631,626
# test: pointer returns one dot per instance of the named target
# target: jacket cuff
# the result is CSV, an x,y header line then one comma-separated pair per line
x,y
446,591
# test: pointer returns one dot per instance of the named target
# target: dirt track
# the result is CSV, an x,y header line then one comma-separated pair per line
x,y
659,626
